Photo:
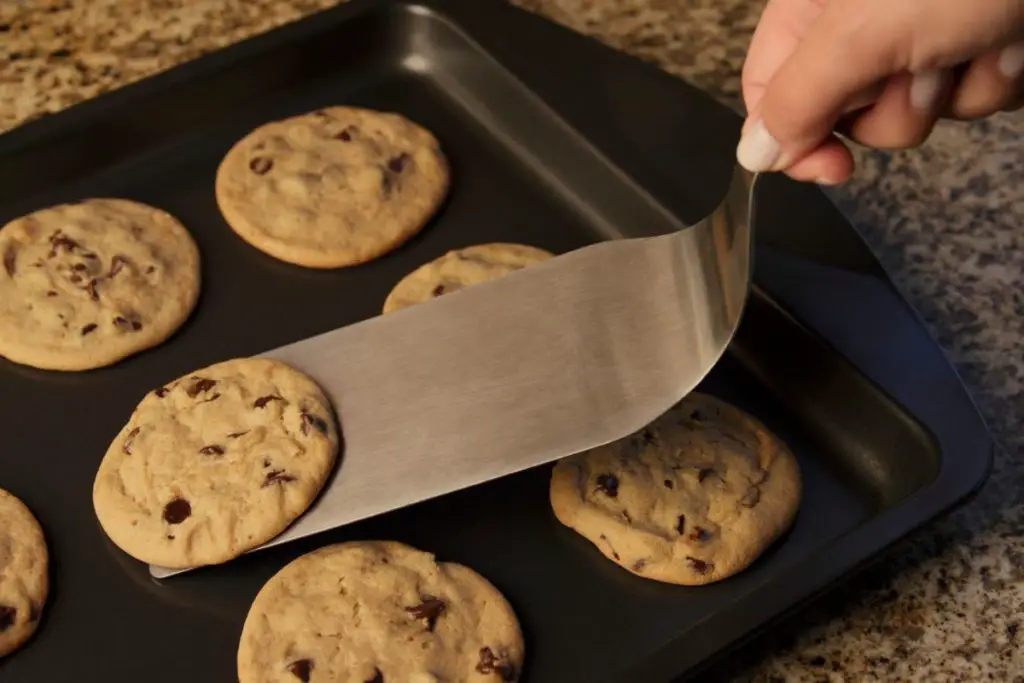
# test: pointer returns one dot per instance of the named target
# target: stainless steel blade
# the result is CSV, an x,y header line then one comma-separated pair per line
x,y
549,361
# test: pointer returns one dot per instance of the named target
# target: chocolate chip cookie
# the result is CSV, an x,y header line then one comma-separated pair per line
x,y
216,463
379,612
461,268
694,498
85,285
24,573
331,188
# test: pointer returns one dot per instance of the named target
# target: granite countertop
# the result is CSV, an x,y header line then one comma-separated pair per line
x,y
947,220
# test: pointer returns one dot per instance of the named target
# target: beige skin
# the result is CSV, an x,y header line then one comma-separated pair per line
x,y
216,463
332,188
371,611
24,578
86,285
692,499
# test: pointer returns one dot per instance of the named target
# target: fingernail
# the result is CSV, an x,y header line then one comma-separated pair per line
x,y
1011,61
758,151
924,89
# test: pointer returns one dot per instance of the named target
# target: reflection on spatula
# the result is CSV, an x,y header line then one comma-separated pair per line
x,y
545,362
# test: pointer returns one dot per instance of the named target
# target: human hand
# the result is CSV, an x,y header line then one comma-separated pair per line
x,y
880,72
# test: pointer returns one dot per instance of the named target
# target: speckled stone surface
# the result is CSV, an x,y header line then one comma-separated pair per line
x,y
947,221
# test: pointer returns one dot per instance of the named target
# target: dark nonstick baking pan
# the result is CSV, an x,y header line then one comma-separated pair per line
x,y
553,140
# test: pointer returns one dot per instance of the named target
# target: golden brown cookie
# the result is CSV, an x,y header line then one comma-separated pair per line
x,y
694,498
331,188
216,463
379,612
461,268
85,285
24,573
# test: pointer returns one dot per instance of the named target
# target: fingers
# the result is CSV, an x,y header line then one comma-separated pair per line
x,y
780,29
990,84
830,164
856,44
849,48
905,113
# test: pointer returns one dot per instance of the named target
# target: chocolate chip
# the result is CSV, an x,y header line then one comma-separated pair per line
x,y
127,445
91,327
626,518
212,449
177,511
58,241
261,165
200,386
211,399
699,534
639,565
161,392
125,323
150,270
51,294
605,539
751,497
681,524
10,257
301,669
7,615
705,472
91,288
266,462
116,265
649,438
430,609
276,477
696,416
89,255
437,291
608,484
315,421
264,400
378,677
79,266
490,663
345,135
75,279
668,483
699,566
235,435
396,164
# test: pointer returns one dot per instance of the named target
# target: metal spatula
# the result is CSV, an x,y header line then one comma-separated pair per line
x,y
545,362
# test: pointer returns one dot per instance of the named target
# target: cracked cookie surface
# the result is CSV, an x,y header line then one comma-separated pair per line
x,y
24,573
87,284
461,268
695,497
332,188
216,463
379,612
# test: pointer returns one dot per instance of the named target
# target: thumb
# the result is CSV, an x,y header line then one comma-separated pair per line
x,y
853,46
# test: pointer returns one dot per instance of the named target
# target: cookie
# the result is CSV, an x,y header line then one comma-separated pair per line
x,y
378,612
85,285
694,498
24,573
332,188
216,463
461,268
